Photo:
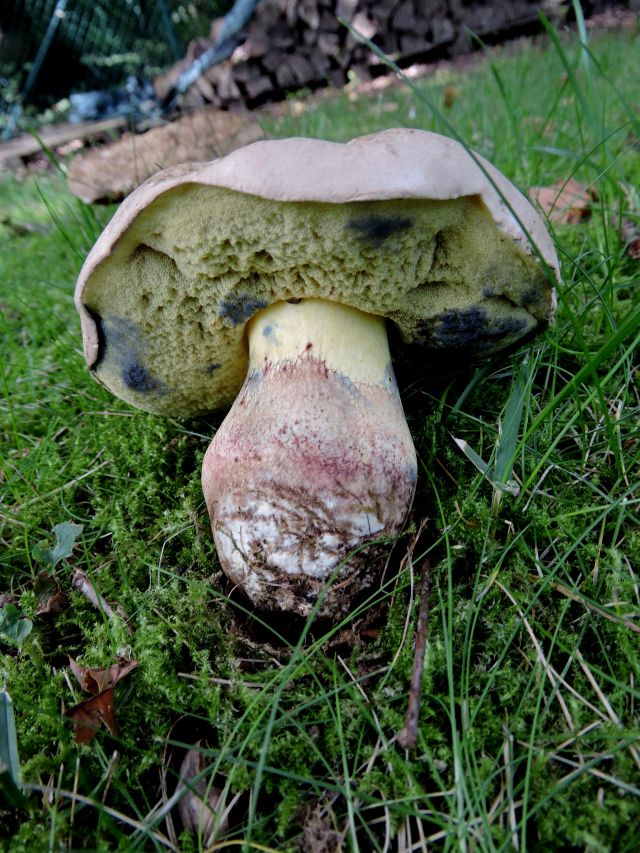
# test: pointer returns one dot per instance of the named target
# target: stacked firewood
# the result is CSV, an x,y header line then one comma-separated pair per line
x,y
295,44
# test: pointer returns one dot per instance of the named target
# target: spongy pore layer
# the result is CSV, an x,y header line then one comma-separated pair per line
x,y
171,301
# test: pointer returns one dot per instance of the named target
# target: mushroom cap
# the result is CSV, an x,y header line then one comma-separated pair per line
x,y
405,224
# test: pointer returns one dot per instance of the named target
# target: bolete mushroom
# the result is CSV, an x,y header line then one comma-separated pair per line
x,y
264,281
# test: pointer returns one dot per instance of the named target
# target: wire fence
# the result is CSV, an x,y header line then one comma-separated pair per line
x,y
51,48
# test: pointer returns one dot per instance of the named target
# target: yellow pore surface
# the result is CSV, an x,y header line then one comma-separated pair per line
x,y
173,298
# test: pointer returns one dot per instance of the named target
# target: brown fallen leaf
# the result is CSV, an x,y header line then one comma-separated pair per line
x,y
89,716
202,808
633,249
50,597
110,172
320,832
95,680
565,201
81,582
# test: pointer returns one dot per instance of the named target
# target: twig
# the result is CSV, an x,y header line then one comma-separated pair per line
x,y
554,677
407,560
408,737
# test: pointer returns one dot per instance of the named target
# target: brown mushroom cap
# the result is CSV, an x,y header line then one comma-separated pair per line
x,y
404,224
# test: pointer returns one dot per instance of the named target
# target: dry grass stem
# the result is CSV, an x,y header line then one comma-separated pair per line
x,y
601,611
554,678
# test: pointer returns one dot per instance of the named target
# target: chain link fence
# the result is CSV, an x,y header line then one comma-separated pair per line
x,y
51,48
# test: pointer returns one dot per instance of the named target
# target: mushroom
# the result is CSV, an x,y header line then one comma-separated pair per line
x,y
264,281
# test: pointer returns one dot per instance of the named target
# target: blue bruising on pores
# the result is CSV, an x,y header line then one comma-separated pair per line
x,y
267,331
375,230
121,348
138,378
236,308
536,298
210,369
470,330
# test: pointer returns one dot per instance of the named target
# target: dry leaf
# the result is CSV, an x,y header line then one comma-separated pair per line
x,y
565,201
81,582
320,832
110,172
201,807
95,680
90,715
633,249
51,599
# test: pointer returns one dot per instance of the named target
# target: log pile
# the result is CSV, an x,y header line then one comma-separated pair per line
x,y
295,44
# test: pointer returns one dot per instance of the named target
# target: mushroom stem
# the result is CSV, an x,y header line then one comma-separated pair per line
x,y
313,461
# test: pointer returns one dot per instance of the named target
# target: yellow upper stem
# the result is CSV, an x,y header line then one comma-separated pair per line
x,y
346,340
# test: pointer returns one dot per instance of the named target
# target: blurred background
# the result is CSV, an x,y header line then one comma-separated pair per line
x,y
49,48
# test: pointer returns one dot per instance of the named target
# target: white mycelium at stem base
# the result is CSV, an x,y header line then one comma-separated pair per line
x,y
313,460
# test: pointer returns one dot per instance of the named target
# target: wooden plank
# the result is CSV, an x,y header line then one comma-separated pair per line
x,y
53,135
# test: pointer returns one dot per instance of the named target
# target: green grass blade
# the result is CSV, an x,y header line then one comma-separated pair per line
x,y
8,738
508,438
630,326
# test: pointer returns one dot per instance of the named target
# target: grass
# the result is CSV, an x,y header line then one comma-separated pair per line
x,y
529,735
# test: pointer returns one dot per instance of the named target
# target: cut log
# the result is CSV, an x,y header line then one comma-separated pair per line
x,y
303,70
258,87
404,18
284,75
346,9
293,43
309,13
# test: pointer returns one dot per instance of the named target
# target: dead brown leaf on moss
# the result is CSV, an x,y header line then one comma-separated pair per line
x,y
630,235
320,831
82,583
89,716
566,202
201,807
94,679
50,597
